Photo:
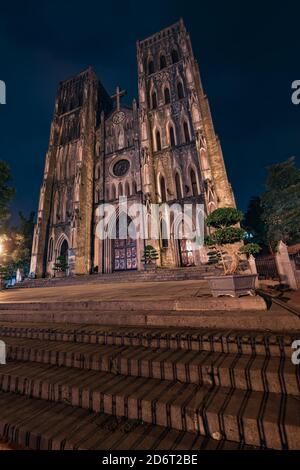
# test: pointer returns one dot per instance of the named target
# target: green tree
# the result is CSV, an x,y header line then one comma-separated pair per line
x,y
226,239
253,222
21,238
281,203
6,192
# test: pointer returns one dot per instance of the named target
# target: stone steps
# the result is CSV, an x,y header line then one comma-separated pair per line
x,y
161,274
42,425
178,369
247,320
254,372
254,418
180,338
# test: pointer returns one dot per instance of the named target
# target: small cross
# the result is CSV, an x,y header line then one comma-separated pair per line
x,y
118,95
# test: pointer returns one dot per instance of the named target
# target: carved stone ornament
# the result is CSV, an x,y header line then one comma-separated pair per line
x,y
118,117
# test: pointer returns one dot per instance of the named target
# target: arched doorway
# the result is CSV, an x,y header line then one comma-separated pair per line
x,y
185,250
124,252
64,249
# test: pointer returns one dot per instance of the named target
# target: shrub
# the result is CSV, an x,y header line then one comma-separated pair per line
x,y
225,240
150,254
60,264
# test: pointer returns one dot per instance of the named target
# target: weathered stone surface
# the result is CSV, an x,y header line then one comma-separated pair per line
x,y
98,152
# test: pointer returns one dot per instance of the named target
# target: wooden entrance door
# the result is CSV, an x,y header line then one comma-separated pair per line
x,y
186,253
124,255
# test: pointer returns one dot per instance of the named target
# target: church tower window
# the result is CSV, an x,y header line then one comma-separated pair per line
x,y
180,92
158,141
178,186
150,67
162,62
50,250
175,57
172,137
194,183
127,189
186,132
120,190
167,95
164,234
154,100
163,192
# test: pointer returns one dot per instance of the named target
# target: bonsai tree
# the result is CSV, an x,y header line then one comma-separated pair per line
x,y
60,264
4,274
150,255
226,239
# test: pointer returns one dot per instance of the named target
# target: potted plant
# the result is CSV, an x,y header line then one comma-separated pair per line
x,y
60,267
149,258
226,250
4,275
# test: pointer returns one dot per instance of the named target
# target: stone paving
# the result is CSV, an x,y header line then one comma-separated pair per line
x,y
108,291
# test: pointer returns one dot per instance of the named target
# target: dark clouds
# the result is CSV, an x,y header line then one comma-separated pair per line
x,y
248,57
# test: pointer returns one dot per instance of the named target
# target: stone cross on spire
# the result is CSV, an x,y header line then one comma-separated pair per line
x,y
119,93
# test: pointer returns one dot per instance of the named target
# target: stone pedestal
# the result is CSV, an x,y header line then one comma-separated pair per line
x,y
284,266
253,269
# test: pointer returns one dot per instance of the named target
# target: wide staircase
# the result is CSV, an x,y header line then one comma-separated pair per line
x,y
160,274
84,386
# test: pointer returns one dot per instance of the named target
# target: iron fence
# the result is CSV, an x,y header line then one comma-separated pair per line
x,y
266,267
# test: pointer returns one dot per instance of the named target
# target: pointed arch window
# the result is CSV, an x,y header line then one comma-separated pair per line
x,y
194,183
127,189
180,92
164,234
162,62
113,192
120,190
150,67
158,141
186,132
50,250
174,55
163,192
178,186
172,136
167,95
154,100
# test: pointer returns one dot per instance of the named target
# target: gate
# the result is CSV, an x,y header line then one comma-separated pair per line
x,y
266,267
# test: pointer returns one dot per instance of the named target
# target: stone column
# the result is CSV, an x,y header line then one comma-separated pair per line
x,y
284,266
253,269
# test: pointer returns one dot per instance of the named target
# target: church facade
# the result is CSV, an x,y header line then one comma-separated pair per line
x,y
163,148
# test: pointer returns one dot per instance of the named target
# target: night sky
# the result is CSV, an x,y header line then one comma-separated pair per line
x,y
248,58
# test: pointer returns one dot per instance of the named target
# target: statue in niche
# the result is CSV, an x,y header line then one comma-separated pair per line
x,y
120,137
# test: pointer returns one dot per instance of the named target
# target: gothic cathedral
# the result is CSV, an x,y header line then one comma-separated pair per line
x,y
163,148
